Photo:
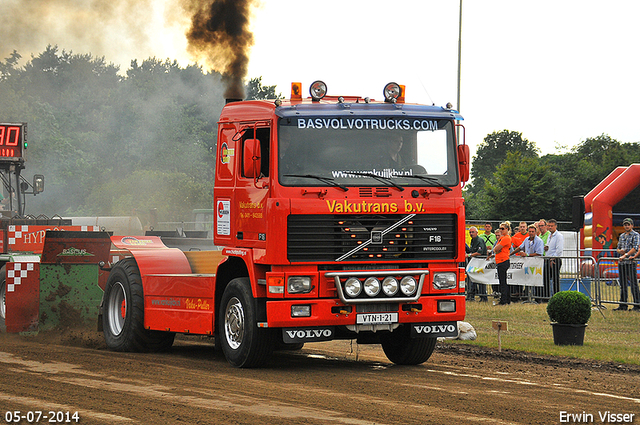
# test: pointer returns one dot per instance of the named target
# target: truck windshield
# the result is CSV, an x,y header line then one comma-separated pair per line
x,y
366,151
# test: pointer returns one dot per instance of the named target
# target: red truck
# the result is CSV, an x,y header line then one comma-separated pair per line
x,y
340,217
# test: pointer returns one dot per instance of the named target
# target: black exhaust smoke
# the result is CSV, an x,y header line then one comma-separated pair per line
x,y
220,36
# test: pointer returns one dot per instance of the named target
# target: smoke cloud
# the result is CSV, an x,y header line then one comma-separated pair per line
x,y
110,28
217,31
219,36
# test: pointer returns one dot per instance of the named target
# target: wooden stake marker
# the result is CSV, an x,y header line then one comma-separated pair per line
x,y
500,326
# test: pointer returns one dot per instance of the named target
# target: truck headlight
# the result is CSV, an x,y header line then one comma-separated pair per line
x,y
390,286
352,287
444,280
372,286
299,285
408,285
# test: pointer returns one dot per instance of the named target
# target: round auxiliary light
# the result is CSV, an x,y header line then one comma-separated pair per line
x,y
353,287
317,90
391,92
372,286
408,285
390,286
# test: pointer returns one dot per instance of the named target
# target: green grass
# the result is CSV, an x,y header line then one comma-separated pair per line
x,y
610,336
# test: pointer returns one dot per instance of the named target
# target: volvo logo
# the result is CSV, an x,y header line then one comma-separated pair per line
x,y
434,329
376,237
294,335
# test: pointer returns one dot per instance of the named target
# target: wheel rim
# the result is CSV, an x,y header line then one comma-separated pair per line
x,y
234,323
3,301
117,308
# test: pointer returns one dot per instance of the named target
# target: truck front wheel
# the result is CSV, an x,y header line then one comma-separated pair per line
x,y
401,349
243,343
123,313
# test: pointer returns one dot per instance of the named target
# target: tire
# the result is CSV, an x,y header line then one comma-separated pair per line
x,y
123,313
401,349
3,298
243,343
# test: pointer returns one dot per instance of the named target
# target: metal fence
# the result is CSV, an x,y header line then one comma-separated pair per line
x,y
610,288
595,275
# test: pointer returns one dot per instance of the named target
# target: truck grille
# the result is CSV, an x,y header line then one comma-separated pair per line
x,y
324,237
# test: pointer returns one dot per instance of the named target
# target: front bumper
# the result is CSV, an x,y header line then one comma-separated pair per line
x,y
333,312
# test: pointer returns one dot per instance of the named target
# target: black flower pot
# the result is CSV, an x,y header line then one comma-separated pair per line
x,y
565,334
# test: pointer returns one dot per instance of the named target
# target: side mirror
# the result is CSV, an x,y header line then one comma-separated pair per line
x,y
38,183
251,161
463,162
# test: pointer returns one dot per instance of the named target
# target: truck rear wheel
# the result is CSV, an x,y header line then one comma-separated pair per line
x,y
123,313
401,349
243,343
3,299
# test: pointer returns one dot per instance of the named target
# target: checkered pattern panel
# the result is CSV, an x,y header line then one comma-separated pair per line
x,y
16,272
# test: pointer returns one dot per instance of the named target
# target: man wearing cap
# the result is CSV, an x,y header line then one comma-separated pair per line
x,y
628,244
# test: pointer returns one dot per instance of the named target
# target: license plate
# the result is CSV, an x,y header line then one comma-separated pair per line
x,y
376,318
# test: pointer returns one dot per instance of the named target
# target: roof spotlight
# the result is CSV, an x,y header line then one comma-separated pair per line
x,y
318,90
392,92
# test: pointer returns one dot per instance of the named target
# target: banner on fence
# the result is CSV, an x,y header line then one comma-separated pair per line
x,y
523,271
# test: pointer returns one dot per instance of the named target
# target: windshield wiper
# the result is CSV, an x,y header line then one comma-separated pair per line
x,y
326,180
430,180
379,178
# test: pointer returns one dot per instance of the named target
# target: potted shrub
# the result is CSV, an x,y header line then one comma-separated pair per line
x,y
569,312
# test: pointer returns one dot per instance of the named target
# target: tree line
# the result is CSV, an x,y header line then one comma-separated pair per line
x,y
112,143
511,181
122,143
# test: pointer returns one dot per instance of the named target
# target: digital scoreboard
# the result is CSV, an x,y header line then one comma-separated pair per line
x,y
12,140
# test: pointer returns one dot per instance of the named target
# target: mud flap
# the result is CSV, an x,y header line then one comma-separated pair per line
x,y
434,330
310,334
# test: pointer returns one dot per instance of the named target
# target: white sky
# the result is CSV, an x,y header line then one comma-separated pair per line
x,y
558,71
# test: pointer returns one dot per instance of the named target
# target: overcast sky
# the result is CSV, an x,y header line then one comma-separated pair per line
x,y
557,71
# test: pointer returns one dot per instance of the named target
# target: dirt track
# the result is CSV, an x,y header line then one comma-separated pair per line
x,y
325,383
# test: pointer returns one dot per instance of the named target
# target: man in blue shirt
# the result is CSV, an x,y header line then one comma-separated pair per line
x,y
628,245
532,246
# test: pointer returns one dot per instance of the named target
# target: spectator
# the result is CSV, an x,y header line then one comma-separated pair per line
x,y
501,253
488,237
520,235
477,249
532,246
628,244
544,235
508,223
555,245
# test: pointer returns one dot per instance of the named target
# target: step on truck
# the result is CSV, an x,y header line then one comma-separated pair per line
x,y
340,217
